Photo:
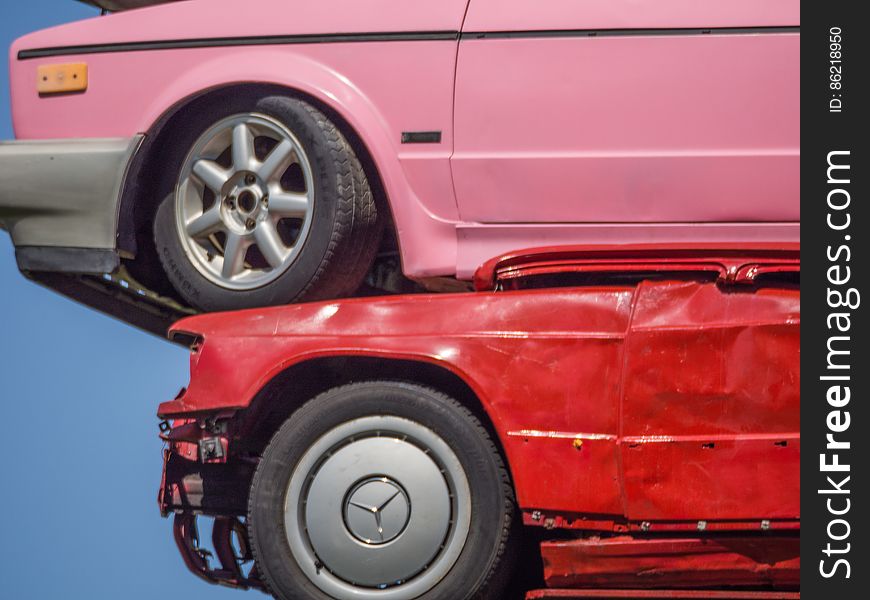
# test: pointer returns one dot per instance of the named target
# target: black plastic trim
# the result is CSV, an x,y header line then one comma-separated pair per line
x,y
421,137
561,33
273,40
402,36
60,259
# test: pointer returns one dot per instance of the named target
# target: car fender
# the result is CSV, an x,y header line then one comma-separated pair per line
x,y
432,235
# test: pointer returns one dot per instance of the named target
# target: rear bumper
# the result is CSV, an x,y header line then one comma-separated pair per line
x,y
59,200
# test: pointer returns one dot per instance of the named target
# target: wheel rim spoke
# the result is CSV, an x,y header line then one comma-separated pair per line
x,y
277,161
206,224
211,174
288,205
228,200
243,147
270,244
234,255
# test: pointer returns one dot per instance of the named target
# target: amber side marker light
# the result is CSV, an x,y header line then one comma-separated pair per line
x,y
62,79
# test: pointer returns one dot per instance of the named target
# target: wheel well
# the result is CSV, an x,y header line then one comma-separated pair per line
x,y
297,384
141,195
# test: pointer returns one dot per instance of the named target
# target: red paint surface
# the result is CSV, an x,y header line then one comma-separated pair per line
x,y
682,395
711,390
730,262
627,562
662,594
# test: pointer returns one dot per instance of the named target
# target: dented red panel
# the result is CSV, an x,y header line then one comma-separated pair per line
x,y
711,419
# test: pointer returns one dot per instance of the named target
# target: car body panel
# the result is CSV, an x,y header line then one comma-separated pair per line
x,y
412,89
691,562
614,403
728,262
478,242
643,186
549,15
223,18
183,74
711,385
590,129
603,105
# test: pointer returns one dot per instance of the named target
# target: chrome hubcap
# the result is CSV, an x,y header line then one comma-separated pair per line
x,y
379,507
244,201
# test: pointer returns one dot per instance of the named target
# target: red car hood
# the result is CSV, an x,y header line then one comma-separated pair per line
x,y
346,317
364,316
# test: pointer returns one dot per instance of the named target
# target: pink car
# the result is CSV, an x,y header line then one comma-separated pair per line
x,y
220,154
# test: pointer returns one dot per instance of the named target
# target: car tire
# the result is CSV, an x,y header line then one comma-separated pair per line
x,y
334,226
356,446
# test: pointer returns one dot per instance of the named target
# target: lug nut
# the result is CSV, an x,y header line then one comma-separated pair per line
x,y
249,179
265,200
229,202
250,223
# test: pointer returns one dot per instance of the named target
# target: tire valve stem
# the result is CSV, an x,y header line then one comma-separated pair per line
x,y
318,566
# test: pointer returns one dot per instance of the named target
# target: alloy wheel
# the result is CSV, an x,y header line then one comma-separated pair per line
x,y
244,201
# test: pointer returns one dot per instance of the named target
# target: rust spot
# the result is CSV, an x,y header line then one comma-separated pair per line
x,y
781,443
577,443
708,446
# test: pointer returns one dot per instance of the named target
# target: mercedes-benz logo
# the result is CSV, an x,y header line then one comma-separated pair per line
x,y
376,510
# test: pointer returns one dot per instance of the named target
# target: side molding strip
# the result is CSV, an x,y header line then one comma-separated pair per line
x,y
419,36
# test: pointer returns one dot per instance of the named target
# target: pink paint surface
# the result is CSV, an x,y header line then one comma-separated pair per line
x,y
628,129
641,138
511,15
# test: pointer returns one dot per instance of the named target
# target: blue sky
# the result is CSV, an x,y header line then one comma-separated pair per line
x,y
81,457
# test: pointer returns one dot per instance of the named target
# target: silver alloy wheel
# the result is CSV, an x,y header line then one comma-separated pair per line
x,y
379,507
244,201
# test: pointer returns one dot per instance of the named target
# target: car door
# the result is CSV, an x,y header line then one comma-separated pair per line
x,y
628,111
711,403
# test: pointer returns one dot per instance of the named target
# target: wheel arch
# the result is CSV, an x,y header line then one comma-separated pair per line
x,y
294,385
140,197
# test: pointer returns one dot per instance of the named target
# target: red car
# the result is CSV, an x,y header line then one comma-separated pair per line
x,y
635,410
